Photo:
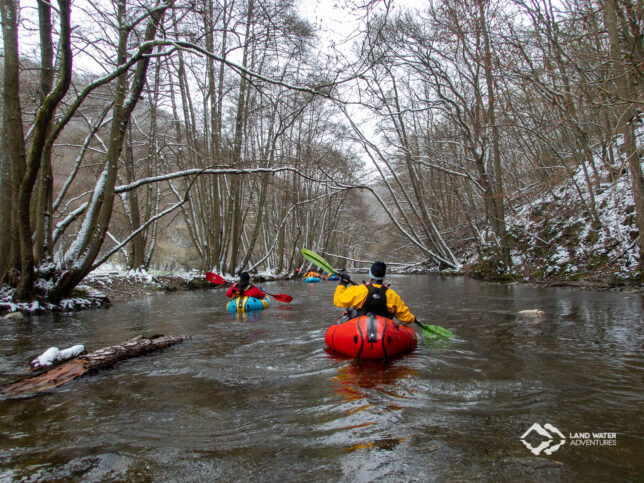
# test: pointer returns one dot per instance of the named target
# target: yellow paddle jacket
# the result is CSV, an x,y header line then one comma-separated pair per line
x,y
356,295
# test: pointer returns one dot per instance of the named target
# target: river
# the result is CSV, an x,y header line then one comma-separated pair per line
x,y
256,397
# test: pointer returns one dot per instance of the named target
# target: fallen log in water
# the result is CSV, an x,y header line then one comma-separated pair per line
x,y
92,362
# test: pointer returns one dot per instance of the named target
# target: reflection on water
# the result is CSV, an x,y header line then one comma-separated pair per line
x,y
356,378
256,395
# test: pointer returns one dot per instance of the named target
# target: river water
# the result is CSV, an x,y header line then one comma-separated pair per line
x,y
257,398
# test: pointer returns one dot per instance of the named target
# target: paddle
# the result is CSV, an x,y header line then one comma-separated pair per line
x,y
219,280
316,259
429,331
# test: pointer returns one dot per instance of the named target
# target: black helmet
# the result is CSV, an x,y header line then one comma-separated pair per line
x,y
244,279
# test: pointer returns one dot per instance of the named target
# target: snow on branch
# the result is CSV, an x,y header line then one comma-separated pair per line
x,y
201,171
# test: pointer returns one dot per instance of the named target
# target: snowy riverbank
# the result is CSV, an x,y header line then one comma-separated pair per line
x,y
105,286
112,284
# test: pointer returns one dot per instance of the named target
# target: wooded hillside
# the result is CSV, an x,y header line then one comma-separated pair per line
x,y
415,141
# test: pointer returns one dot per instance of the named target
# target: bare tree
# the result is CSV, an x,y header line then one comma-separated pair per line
x,y
627,54
78,261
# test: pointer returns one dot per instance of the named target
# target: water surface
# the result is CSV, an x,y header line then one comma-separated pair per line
x,y
257,397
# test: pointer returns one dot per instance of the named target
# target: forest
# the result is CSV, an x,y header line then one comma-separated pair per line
x,y
226,135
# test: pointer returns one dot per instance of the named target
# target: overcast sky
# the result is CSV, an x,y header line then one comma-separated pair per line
x,y
338,20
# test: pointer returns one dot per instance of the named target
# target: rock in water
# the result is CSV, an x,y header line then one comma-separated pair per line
x,y
532,312
14,315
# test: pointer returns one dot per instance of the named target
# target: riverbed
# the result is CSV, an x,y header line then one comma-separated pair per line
x,y
256,397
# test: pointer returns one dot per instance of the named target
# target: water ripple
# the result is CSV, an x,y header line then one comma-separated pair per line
x,y
257,397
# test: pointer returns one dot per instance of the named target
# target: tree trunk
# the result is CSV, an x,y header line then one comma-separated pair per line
x,y
238,182
88,363
42,208
499,195
13,156
628,115
42,125
137,245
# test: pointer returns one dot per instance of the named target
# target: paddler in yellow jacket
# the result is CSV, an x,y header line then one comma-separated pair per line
x,y
374,298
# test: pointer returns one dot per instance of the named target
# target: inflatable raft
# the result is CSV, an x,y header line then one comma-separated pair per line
x,y
333,276
247,304
370,337
311,279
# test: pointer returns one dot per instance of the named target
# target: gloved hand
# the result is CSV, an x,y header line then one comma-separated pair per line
x,y
344,279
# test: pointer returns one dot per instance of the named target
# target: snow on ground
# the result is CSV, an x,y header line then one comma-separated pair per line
x,y
91,292
108,269
555,235
39,307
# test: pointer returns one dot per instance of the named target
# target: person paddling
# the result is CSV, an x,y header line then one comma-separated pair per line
x,y
372,298
244,288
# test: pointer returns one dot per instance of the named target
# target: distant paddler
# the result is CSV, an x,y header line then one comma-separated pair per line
x,y
243,288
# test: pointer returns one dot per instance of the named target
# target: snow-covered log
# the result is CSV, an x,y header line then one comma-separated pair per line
x,y
88,363
54,355
45,359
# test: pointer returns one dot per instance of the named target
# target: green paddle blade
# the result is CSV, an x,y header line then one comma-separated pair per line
x,y
434,331
317,260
